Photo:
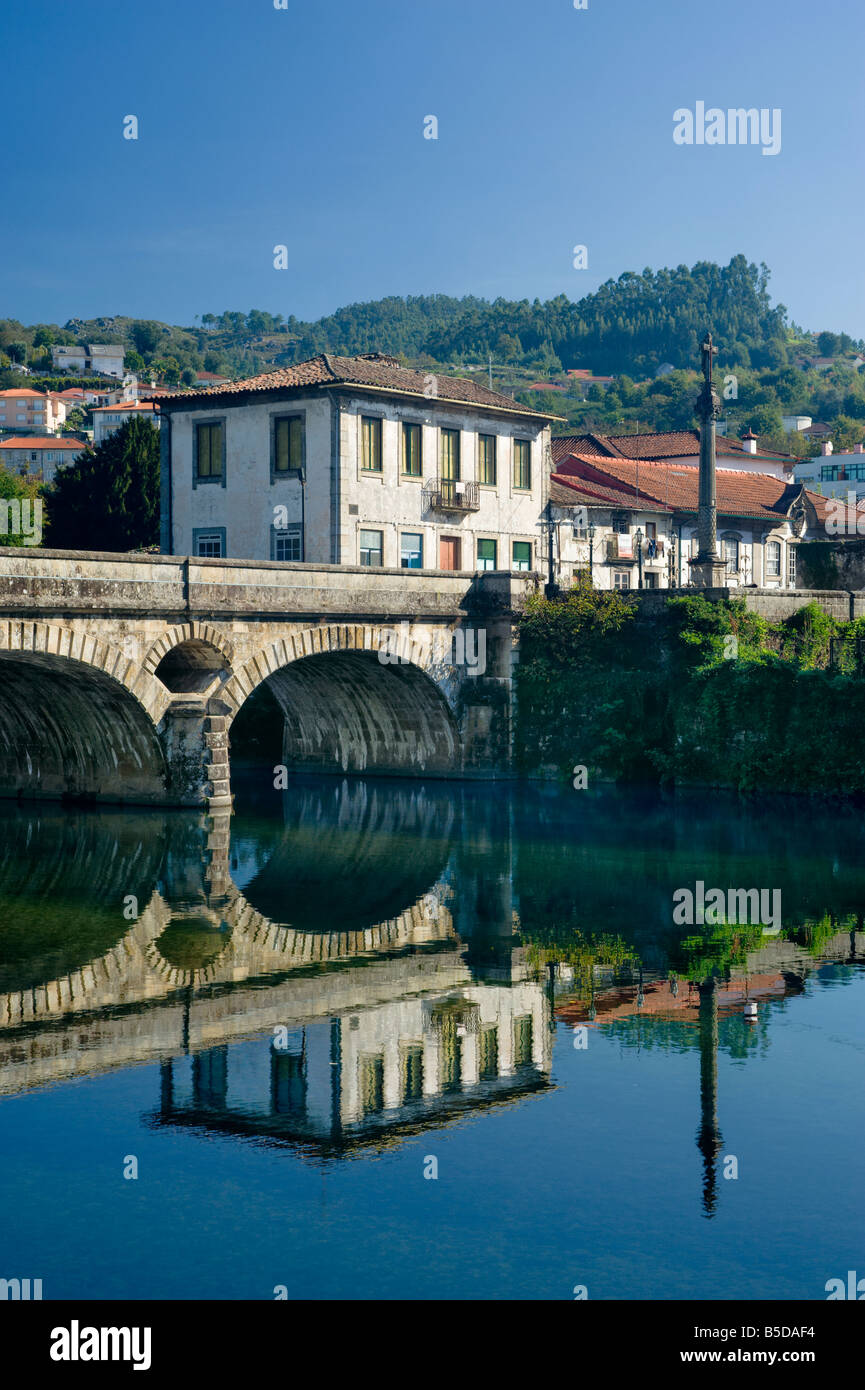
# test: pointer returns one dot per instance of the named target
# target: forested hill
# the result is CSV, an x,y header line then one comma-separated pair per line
x,y
629,326
633,324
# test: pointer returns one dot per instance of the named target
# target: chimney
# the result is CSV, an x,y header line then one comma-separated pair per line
x,y
749,443
859,448
826,447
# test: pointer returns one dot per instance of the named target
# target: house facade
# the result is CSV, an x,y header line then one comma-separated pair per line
x,y
104,358
631,526
355,461
108,418
23,411
39,457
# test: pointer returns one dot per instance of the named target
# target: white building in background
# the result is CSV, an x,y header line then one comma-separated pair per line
x,y
355,461
108,418
834,475
792,424
104,358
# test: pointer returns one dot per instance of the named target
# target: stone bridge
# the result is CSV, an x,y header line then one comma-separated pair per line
x,y
121,675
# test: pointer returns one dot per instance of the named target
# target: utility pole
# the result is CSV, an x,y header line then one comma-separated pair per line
x,y
551,589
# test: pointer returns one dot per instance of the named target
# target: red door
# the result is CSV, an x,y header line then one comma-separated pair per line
x,y
449,553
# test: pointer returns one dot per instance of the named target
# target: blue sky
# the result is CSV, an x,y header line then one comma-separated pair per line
x,y
304,127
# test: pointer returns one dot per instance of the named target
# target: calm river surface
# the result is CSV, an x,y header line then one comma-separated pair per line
x,y
377,1039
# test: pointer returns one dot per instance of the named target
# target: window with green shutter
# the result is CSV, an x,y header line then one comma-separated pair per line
x,y
411,450
208,450
522,555
487,555
288,445
522,464
487,459
371,440
450,451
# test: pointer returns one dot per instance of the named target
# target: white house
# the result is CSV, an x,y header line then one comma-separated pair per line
x,y
834,475
105,358
108,418
355,461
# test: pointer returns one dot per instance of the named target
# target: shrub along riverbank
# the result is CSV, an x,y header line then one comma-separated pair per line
x,y
702,692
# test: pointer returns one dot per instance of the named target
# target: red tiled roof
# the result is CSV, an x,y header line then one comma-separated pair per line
x,y
371,370
124,405
675,486
23,391
568,491
39,441
651,445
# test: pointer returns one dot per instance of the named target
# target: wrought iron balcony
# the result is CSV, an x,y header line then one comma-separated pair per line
x,y
448,495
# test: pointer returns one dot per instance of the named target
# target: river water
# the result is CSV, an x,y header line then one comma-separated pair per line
x,y
380,1039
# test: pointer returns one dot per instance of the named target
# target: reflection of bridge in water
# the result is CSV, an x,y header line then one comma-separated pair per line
x,y
382,1025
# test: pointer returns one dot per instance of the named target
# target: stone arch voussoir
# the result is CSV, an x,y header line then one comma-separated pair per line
x,y
65,643
186,632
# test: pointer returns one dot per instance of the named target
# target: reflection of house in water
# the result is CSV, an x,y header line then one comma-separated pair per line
x,y
363,931
777,970
372,1075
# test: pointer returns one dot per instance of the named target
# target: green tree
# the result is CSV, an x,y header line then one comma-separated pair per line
x,y
19,490
75,421
828,344
108,499
146,335
846,433
17,351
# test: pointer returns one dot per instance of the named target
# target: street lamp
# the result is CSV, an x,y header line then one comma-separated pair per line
x,y
673,581
638,537
590,532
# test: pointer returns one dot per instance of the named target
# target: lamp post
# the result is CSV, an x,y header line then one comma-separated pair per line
x,y
672,577
638,537
590,532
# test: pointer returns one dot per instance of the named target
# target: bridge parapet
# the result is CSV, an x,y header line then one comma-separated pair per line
x,y
84,581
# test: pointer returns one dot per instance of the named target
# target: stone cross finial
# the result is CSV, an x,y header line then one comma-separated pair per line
x,y
708,402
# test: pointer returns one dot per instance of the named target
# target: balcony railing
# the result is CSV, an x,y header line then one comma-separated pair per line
x,y
447,495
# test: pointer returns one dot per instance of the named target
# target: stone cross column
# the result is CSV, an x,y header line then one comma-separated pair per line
x,y
708,570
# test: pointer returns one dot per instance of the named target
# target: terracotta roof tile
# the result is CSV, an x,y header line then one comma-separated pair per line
x,y
373,370
653,445
38,441
675,486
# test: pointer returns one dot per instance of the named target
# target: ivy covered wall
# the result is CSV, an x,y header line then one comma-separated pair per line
x,y
698,692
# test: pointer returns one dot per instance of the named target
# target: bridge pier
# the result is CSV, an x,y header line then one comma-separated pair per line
x,y
195,746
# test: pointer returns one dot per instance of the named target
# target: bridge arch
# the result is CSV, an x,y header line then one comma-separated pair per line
x,y
189,658
77,718
346,710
